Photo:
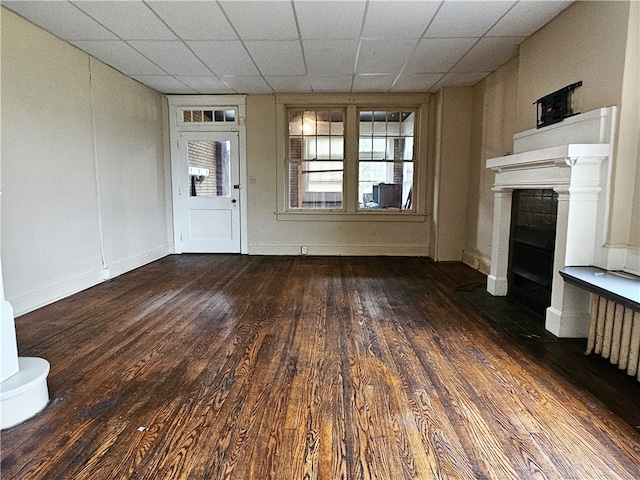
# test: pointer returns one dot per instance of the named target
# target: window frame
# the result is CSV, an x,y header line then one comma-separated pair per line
x,y
213,122
351,105
385,160
315,160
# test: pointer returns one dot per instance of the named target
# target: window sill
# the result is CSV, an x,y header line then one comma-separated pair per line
x,y
362,216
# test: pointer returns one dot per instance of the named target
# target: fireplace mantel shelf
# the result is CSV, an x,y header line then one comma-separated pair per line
x,y
555,156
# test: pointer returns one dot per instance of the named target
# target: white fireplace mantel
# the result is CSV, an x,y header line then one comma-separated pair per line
x,y
572,158
549,157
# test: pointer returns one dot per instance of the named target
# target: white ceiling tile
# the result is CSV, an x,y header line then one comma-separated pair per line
x,y
277,57
62,19
488,54
120,56
416,82
373,83
173,57
224,57
262,20
195,20
438,55
289,84
248,84
466,18
460,79
393,19
334,83
325,20
205,84
164,84
229,45
383,56
525,18
330,57
131,20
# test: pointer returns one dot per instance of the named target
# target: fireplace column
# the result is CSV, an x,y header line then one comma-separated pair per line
x,y
577,240
568,315
497,283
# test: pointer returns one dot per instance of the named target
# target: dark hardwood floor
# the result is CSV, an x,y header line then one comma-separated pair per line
x,y
226,366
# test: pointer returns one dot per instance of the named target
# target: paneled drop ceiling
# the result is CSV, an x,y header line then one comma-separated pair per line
x,y
296,46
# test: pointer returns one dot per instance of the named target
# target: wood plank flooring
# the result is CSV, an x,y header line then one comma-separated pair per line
x,y
226,366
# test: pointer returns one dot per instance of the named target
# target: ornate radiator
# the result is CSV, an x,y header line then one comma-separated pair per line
x,y
614,333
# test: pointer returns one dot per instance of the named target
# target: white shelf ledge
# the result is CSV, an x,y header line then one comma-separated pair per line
x,y
553,156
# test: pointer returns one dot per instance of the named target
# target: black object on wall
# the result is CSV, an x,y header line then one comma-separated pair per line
x,y
556,106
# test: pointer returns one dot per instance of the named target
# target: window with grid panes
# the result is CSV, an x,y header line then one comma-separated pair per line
x,y
319,148
316,158
385,159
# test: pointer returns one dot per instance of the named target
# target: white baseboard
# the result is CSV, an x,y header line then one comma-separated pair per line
x,y
477,260
611,257
126,265
619,258
497,286
39,298
632,264
563,325
341,250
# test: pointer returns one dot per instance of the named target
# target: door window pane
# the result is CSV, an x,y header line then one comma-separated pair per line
x,y
209,165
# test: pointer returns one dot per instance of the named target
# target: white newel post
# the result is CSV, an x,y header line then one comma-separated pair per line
x,y
497,284
23,382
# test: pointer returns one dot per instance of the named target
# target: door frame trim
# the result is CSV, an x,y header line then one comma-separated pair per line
x,y
176,102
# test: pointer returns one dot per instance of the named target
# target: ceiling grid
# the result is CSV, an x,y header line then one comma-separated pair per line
x,y
296,46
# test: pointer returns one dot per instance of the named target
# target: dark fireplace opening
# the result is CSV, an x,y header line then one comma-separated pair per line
x,y
531,247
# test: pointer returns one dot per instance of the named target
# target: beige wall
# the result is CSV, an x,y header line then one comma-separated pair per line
x,y
585,42
451,175
634,236
273,232
494,112
83,170
625,221
596,42
131,166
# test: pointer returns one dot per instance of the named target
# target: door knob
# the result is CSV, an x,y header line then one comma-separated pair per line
x,y
234,201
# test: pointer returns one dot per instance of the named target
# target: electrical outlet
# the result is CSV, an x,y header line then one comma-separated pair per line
x,y
303,250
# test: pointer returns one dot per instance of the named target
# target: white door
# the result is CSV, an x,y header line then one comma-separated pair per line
x,y
208,192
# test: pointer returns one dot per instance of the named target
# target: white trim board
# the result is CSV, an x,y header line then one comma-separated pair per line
x,y
52,293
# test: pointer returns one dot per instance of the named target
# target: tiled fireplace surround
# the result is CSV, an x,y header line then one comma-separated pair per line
x,y
573,158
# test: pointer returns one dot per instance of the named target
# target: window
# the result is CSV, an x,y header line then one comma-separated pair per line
x,y
209,168
316,158
366,167
226,115
385,159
